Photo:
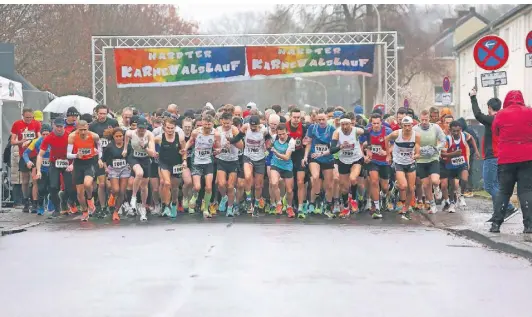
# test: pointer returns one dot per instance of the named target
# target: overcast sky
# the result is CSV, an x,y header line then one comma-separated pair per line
x,y
203,13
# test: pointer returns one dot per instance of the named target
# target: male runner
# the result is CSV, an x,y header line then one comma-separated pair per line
x,y
273,121
282,168
84,148
142,147
428,165
405,152
297,131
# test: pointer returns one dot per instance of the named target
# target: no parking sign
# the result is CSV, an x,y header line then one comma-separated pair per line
x,y
491,52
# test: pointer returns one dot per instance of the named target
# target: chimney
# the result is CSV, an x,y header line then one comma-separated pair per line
x,y
7,59
447,23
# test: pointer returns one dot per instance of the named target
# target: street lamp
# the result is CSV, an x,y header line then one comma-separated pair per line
x,y
317,83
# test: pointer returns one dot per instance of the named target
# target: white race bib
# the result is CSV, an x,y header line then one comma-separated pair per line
x,y
177,169
84,151
139,154
458,161
376,149
253,150
28,135
225,151
119,163
348,153
104,143
61,163
320,148
45,162
204,153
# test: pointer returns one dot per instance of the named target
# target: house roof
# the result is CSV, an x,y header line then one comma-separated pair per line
x,y
494,25
472,13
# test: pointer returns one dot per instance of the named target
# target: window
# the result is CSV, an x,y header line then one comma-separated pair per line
x,y
438,92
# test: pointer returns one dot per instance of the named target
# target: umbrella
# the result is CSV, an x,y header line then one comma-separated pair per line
x,y
61,104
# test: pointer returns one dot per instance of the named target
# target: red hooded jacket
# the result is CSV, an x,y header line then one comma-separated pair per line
x,y
512,127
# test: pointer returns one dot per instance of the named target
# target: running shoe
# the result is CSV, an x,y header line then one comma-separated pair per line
x,y
389,204
290,212
192,201
185,204
223,204
344,213
130,211
452,208
180,208
111,201
85,216
336,209
461,201
229,212
167,212
142,212
399,206
116,217
437,193
73,209
285,202
446,206
173,211
510,212
236,209
213,209
433,208
133,202
310,209
353,204
255,210
26,207
319,207
269,209
156,211
40,211
329,211
63,206
368,205
375,214
262,204
279,209
248,205
301,215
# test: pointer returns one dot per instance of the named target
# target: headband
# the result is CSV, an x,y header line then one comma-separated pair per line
x,y
345,120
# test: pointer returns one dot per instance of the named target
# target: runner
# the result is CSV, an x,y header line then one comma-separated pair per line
x,y
379,166
428,166
227,164
345,142
444,173
282,168
116,167
99,126
155,183
456,156
84,147
71,119
206,140
142,147
30,157
318,140
241,181
56,143
187,188
273,122
172,164
23,132
297,131
405,153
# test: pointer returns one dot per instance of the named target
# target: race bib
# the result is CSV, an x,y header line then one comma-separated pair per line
x,y
84,151
320,148
104,143
376,149
45,162
139,154
348,153
254,150
458,161
177,169
61,163
119,163
204,152
298,142
28,135
225,151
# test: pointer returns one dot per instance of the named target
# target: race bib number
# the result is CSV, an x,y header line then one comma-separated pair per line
x,y
177,169
28,135
405,153
376,149
204,152
320,148
298,142
84,151
104,143
119,163
254,150
61,163
458,161
225,151
139,154
45,162
348,153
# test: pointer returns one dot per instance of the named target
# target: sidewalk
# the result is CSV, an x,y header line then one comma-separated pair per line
x,y
471,223
13,220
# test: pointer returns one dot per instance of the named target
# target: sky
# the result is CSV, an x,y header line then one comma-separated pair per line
x,y
203,13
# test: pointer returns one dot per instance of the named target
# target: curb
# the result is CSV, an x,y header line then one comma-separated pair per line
x,y
482,239
19,229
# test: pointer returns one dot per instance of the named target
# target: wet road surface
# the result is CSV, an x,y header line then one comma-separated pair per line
x,y
264,267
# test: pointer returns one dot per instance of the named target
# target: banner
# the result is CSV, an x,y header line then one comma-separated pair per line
x,y
178,65
287,60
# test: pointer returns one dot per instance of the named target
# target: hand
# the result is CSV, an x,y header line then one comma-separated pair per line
x,y
124,153
370,154
383,153
315,155
38,175
217,151
29,165
182,152
415,156
26,143
306,140
100,163
472,93
184,164
458,152
344,145
79,155
477,156
367,159
389,159
70,168
304,162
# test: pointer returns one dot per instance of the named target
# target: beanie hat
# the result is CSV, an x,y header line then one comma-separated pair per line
x,y
72,111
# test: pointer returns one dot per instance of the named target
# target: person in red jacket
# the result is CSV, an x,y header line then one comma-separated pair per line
x,y
512,129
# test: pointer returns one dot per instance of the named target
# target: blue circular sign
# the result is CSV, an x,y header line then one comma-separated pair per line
x,y
406,104
529,42
446,84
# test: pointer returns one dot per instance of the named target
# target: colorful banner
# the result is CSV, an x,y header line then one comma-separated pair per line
x,y
288,60
178,65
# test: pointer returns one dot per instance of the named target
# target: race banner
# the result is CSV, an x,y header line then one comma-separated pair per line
x,y
175,66
289,60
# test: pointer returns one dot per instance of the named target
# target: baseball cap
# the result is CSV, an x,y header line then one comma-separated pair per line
x,y
37,115
251,105
254,120
60,121
46,127
142,123
337,114
407,120
359,109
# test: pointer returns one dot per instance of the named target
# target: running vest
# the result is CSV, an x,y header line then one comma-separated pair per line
x,y
454,145
112,156
255,148
229,152
403,151
297,135
352,153
139,151
321,142
378,143
84,146
203,148
282,148
169,151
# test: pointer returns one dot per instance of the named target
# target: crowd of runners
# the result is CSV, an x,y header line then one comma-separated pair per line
x,y
329,161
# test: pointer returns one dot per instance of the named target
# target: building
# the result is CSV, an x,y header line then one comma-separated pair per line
x,y
512,27
425,90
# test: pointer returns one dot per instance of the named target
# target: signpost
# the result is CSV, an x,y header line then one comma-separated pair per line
x,y
528,57
493,79
446,97
491,53
446,84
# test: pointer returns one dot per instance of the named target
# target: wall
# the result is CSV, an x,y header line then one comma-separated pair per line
x,y
468,28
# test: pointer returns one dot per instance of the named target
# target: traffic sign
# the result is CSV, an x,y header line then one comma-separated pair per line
x,y
406,104
528,60
491,52
529,42
493,79
446,98
446,84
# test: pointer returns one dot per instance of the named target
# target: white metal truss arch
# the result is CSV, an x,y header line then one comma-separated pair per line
x,y
386,40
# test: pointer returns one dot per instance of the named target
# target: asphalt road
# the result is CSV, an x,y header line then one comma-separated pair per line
x,y
266,267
